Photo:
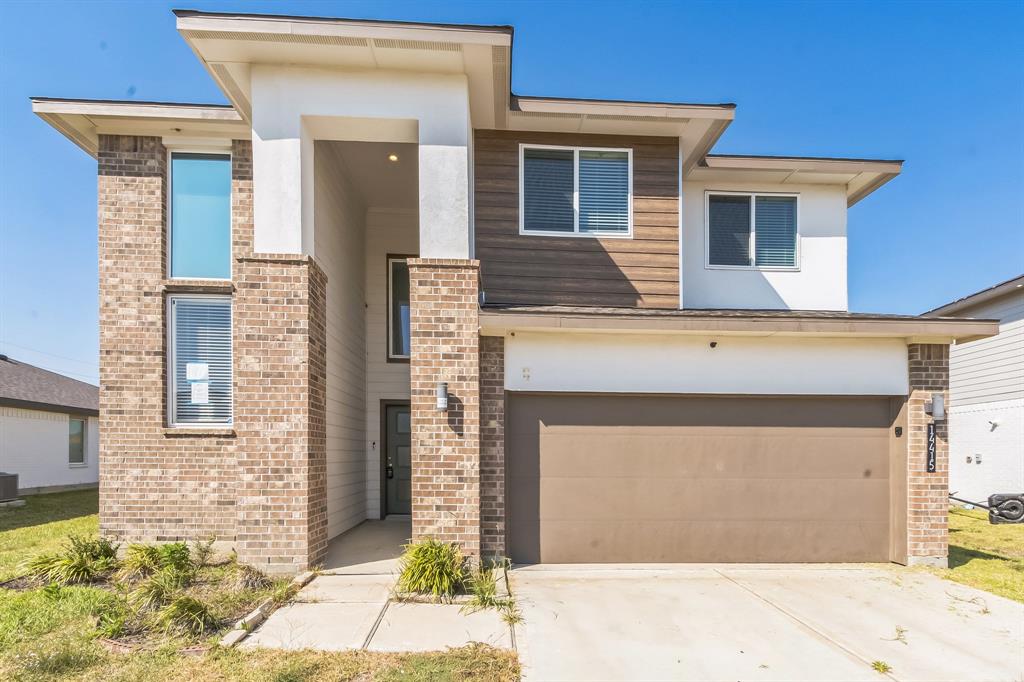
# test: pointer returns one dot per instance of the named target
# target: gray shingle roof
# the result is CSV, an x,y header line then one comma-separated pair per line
x,y
23,385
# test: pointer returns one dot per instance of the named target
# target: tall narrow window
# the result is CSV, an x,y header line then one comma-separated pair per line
x,y
200,219
199,365
575,191
398,309
752,230
76,441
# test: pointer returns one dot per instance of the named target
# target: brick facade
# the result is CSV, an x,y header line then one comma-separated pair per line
x,y
445,346
260,486
927,501
492,446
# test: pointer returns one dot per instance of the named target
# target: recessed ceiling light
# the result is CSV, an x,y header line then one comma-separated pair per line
x,y
392,157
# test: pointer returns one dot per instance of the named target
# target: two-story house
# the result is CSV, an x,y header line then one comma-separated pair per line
x,y
559,330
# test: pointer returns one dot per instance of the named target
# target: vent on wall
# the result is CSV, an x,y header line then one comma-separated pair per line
x,y
432,45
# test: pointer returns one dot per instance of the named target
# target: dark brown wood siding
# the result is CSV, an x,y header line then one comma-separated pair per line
x,y
638,272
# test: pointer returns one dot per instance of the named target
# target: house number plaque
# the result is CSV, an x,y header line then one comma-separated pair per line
x,y
931,448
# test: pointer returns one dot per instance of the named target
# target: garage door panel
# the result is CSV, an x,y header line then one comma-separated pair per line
x,y
598,478
657,542
737,452
644,499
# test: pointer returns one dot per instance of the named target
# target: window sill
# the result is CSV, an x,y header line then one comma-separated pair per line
x,y
578,235
83,465
199,431
753,268
217,286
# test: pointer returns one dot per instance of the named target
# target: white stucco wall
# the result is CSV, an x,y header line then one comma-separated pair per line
x,y
292,106
340,235
627,363
387,232
820,282
34,445
993,432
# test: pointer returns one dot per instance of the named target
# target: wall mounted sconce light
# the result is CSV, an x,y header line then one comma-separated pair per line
x,y
936,407
442,396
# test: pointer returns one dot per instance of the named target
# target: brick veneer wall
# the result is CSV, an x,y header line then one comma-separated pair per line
x,y
260,486
492,446
444,324
927,502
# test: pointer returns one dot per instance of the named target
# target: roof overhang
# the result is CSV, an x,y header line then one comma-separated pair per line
x,y
1015,285
83,121
860,177
502,321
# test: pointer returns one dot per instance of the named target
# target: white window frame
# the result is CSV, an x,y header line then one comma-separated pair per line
x,y
391,289
172,362
217,150
85,442
523,146
708,265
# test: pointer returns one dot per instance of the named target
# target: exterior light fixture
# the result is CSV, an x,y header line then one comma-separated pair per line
x,y
392,157
442,396
936,407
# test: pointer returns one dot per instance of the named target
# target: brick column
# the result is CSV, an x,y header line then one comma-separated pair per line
x,y
445,445
492,446
280,341
927,502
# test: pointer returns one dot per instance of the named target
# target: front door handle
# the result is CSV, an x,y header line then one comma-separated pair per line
x,y
390,470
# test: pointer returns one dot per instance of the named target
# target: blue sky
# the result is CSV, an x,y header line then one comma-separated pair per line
x,y
938,84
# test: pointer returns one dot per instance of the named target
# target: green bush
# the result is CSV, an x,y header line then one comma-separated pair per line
x,y
81,561
432,567
158,589
146,560
186,615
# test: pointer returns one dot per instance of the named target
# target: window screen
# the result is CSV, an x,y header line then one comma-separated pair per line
x,y
200,360
775,231
548,190
604,191
398,309
200,216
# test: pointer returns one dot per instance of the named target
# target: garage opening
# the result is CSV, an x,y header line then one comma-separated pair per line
x,y
645,478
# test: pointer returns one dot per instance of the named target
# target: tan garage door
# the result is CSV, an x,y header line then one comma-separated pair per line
x,y
599,478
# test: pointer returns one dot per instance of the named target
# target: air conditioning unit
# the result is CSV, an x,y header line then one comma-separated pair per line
x,y
8,486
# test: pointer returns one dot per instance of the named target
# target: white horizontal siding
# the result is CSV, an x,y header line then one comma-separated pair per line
x,y
387,232
34,445
990,369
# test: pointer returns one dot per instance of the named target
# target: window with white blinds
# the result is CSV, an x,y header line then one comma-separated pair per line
x,y
747,230
575,191
199,363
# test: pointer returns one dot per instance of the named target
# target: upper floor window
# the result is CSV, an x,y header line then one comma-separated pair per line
x,y
398,309
76,441
749,230
200,220
199,360
575,191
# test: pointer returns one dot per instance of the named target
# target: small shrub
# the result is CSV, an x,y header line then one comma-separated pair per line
x,y
202,552
186,615
82,560
158,589
249,578
140,561
482,584
283,592
432,567
176,557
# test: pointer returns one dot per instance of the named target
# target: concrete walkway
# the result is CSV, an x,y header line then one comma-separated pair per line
x,y
350,606
762,623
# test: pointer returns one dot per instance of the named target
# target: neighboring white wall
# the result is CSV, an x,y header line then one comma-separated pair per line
x,y
387,232
820,283
628,363
993,432
340,234
34,445
292,106
986,416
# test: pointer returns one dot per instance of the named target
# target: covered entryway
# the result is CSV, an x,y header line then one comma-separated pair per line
x,y
653,478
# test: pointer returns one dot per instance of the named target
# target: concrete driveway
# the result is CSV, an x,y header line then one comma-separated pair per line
x,y
762,623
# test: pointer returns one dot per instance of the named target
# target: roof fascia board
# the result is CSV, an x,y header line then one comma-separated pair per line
x,y
816,165
551,105
983,296
494,323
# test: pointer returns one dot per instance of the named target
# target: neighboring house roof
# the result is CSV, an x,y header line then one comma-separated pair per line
x,y
994,291
23,385
498,318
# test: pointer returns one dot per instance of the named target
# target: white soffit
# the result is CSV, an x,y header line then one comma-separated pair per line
x,y
83,121
860,177
228,44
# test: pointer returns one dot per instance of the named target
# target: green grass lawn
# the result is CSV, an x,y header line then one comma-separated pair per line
x,y
987,556
48,634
